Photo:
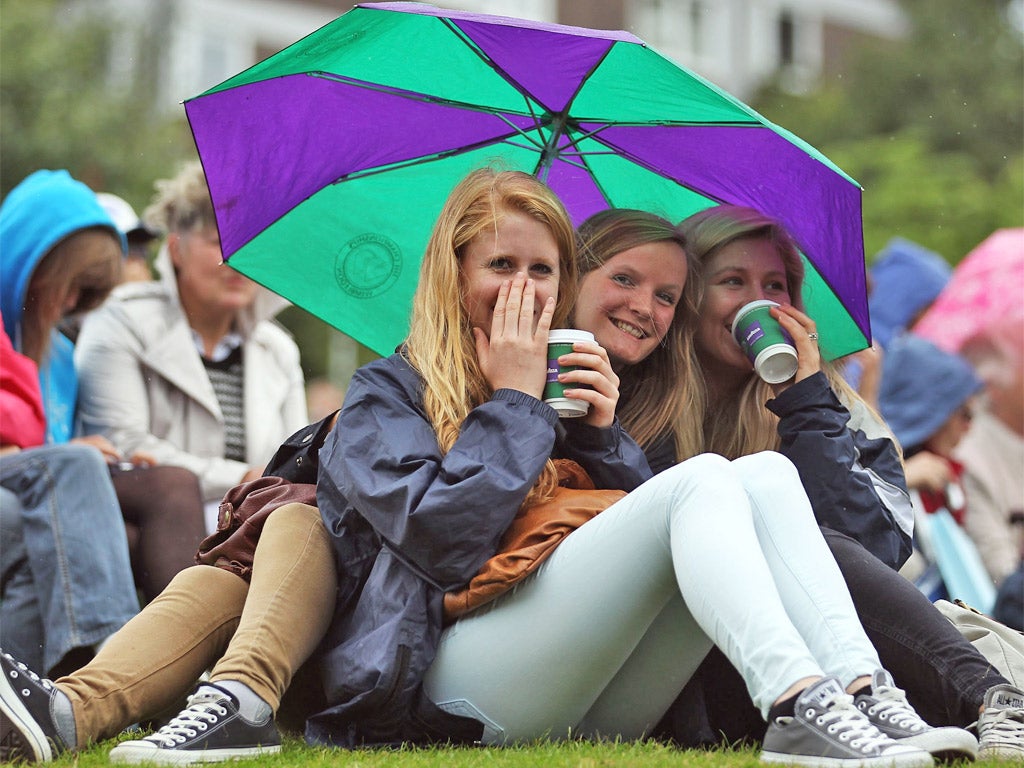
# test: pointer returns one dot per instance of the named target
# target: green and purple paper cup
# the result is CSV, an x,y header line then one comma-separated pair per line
x,y
560,342
765,342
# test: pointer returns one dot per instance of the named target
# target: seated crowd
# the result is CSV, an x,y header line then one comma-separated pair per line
x,y
699,557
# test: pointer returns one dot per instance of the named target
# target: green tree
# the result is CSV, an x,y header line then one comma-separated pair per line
x,y
941,200
932,126
58,110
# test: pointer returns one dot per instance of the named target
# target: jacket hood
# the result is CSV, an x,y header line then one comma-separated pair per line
x,y
264,307
922,386
45,208
906,278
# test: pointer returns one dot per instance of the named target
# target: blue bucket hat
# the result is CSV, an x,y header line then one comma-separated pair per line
x,y
906,278
922,386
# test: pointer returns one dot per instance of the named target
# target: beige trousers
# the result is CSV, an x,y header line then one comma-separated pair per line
x,y
258,633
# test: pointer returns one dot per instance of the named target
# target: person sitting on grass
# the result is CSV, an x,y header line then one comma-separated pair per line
x,y
437,449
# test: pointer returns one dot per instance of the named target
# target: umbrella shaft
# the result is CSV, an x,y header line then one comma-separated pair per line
x,y
551,151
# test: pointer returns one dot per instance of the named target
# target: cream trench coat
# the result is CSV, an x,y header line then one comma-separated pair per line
x,y
143,384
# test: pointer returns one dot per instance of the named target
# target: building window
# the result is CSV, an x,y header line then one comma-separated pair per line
x,y
213,61
787,41
697,13
676,27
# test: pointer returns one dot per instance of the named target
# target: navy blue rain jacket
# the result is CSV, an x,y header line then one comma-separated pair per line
x,y
850,467
409,523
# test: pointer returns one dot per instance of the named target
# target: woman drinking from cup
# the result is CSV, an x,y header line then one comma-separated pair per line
x,y
666,388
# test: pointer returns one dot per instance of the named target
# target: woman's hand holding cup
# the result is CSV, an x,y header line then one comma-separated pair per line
x,y
590,367
805,338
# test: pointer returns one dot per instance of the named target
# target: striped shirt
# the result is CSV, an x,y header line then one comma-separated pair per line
x,y
226,377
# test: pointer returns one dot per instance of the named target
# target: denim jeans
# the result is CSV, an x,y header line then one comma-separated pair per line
x,y
605,633
67,580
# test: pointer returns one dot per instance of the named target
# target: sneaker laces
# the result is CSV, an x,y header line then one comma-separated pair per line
x,y
1003,724
842,718
43,682
890,703
204,709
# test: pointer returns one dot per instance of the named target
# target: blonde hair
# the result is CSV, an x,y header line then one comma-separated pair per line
x,y
86,262
440,344
181,204
748,427
657,393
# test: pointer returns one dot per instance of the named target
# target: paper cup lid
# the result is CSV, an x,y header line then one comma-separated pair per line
x,y
776,363
568,407
568,335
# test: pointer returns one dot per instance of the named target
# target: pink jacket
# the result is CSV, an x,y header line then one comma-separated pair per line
x,y
22,421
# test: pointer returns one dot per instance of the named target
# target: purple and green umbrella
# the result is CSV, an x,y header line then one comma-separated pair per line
x,y
329,161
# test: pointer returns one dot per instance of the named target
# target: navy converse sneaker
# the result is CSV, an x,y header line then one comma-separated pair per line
x,y
208,730
827,731
888,709
28,729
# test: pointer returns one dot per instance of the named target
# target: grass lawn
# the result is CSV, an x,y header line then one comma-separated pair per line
x,y
565,755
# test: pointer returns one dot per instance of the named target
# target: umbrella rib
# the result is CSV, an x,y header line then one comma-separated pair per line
x,y
577,135
546,118
535,144
420,160
560,122
487,60
539,121
626,155
416,95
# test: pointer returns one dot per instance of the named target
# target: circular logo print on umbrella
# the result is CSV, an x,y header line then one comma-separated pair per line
x,y
368,265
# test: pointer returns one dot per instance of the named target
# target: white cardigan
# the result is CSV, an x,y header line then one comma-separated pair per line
x,y
142,382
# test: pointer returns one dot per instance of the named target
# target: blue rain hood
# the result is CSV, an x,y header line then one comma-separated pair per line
x,y
922,386
45,208
906,278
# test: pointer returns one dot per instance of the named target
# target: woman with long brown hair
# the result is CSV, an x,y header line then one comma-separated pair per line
x,y
686,356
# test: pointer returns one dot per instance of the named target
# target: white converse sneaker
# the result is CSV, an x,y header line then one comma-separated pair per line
x,y
888,710
208,730
827,731
1001,725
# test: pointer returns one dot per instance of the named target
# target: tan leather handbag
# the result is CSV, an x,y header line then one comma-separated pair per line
x,y
532,537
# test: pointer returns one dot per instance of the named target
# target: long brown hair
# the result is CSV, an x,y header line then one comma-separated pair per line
x,y
86,263
746,426
440,343
657,393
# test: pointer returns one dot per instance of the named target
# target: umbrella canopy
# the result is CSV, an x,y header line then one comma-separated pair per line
x,y
329,161
986,290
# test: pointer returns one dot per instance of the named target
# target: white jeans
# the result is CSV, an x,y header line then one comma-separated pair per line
x,y
603,636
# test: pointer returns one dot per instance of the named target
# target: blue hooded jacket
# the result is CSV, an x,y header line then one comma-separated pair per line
x,y
906,278
922,386
45,208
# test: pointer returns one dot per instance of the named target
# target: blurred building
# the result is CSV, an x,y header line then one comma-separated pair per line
x,y
191,45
